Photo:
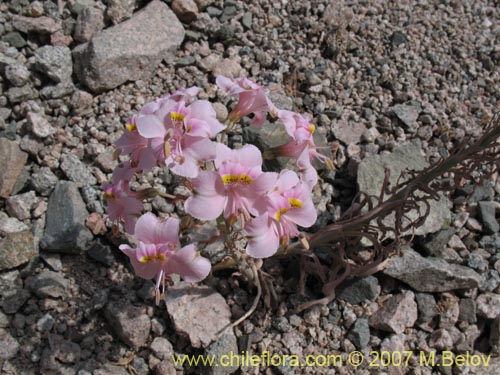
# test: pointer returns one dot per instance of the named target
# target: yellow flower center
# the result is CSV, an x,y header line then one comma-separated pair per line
x,y
280,212
176,116
109,195
295,203
131,127
312,128
152,258
234,178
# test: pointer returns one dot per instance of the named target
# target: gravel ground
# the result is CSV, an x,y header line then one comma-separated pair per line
x,y
391,81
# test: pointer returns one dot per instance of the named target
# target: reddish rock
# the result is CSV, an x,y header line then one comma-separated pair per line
x,y
12,161
198,312
42,25
397,313
186,10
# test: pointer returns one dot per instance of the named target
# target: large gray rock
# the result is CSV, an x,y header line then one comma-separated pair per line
x,y
408,157
128,51
431,274
198,312
55,62
66,213
8,345
90,21
12,161
16,249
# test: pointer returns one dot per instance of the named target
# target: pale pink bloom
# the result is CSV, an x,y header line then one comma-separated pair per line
x,y
251,99
123,204
236,185
158,252
179,135
187,95
298,126
123,172
287,205
138,148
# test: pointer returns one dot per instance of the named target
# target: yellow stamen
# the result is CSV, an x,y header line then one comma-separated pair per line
x,y
166,149
234,178
245,178
131,127
176,116
153,258
109,195
280,212
295,203
312,128
230,179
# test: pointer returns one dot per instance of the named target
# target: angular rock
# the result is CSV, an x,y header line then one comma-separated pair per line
x,y
186,304
360,333
42,25
21,94
64,350
20,205
468,310
348,132
11,225
15,39
89,22
39,125
408,113
120,10
162,348
427,307
55,62
395,344
487,211
430,274
48,284
488,305
408,157
130,323
8,281
81,101
77,171
129,51
225,344
12,161
441,340
16,249
43,181
14,300
65,230
17,74
186,10
359,289
397,313
8,345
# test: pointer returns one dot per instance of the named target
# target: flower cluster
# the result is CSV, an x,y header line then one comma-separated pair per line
x,y
179,132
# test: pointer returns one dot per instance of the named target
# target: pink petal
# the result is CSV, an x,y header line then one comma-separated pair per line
x,y
145,270
207,203
305,216
150,230
188,264
287,180
263,239
151,126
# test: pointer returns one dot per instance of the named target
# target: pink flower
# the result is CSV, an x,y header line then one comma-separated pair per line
x,y
179,135
158,252
289,204
136,146
251,99
238,183
186,95
123,204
